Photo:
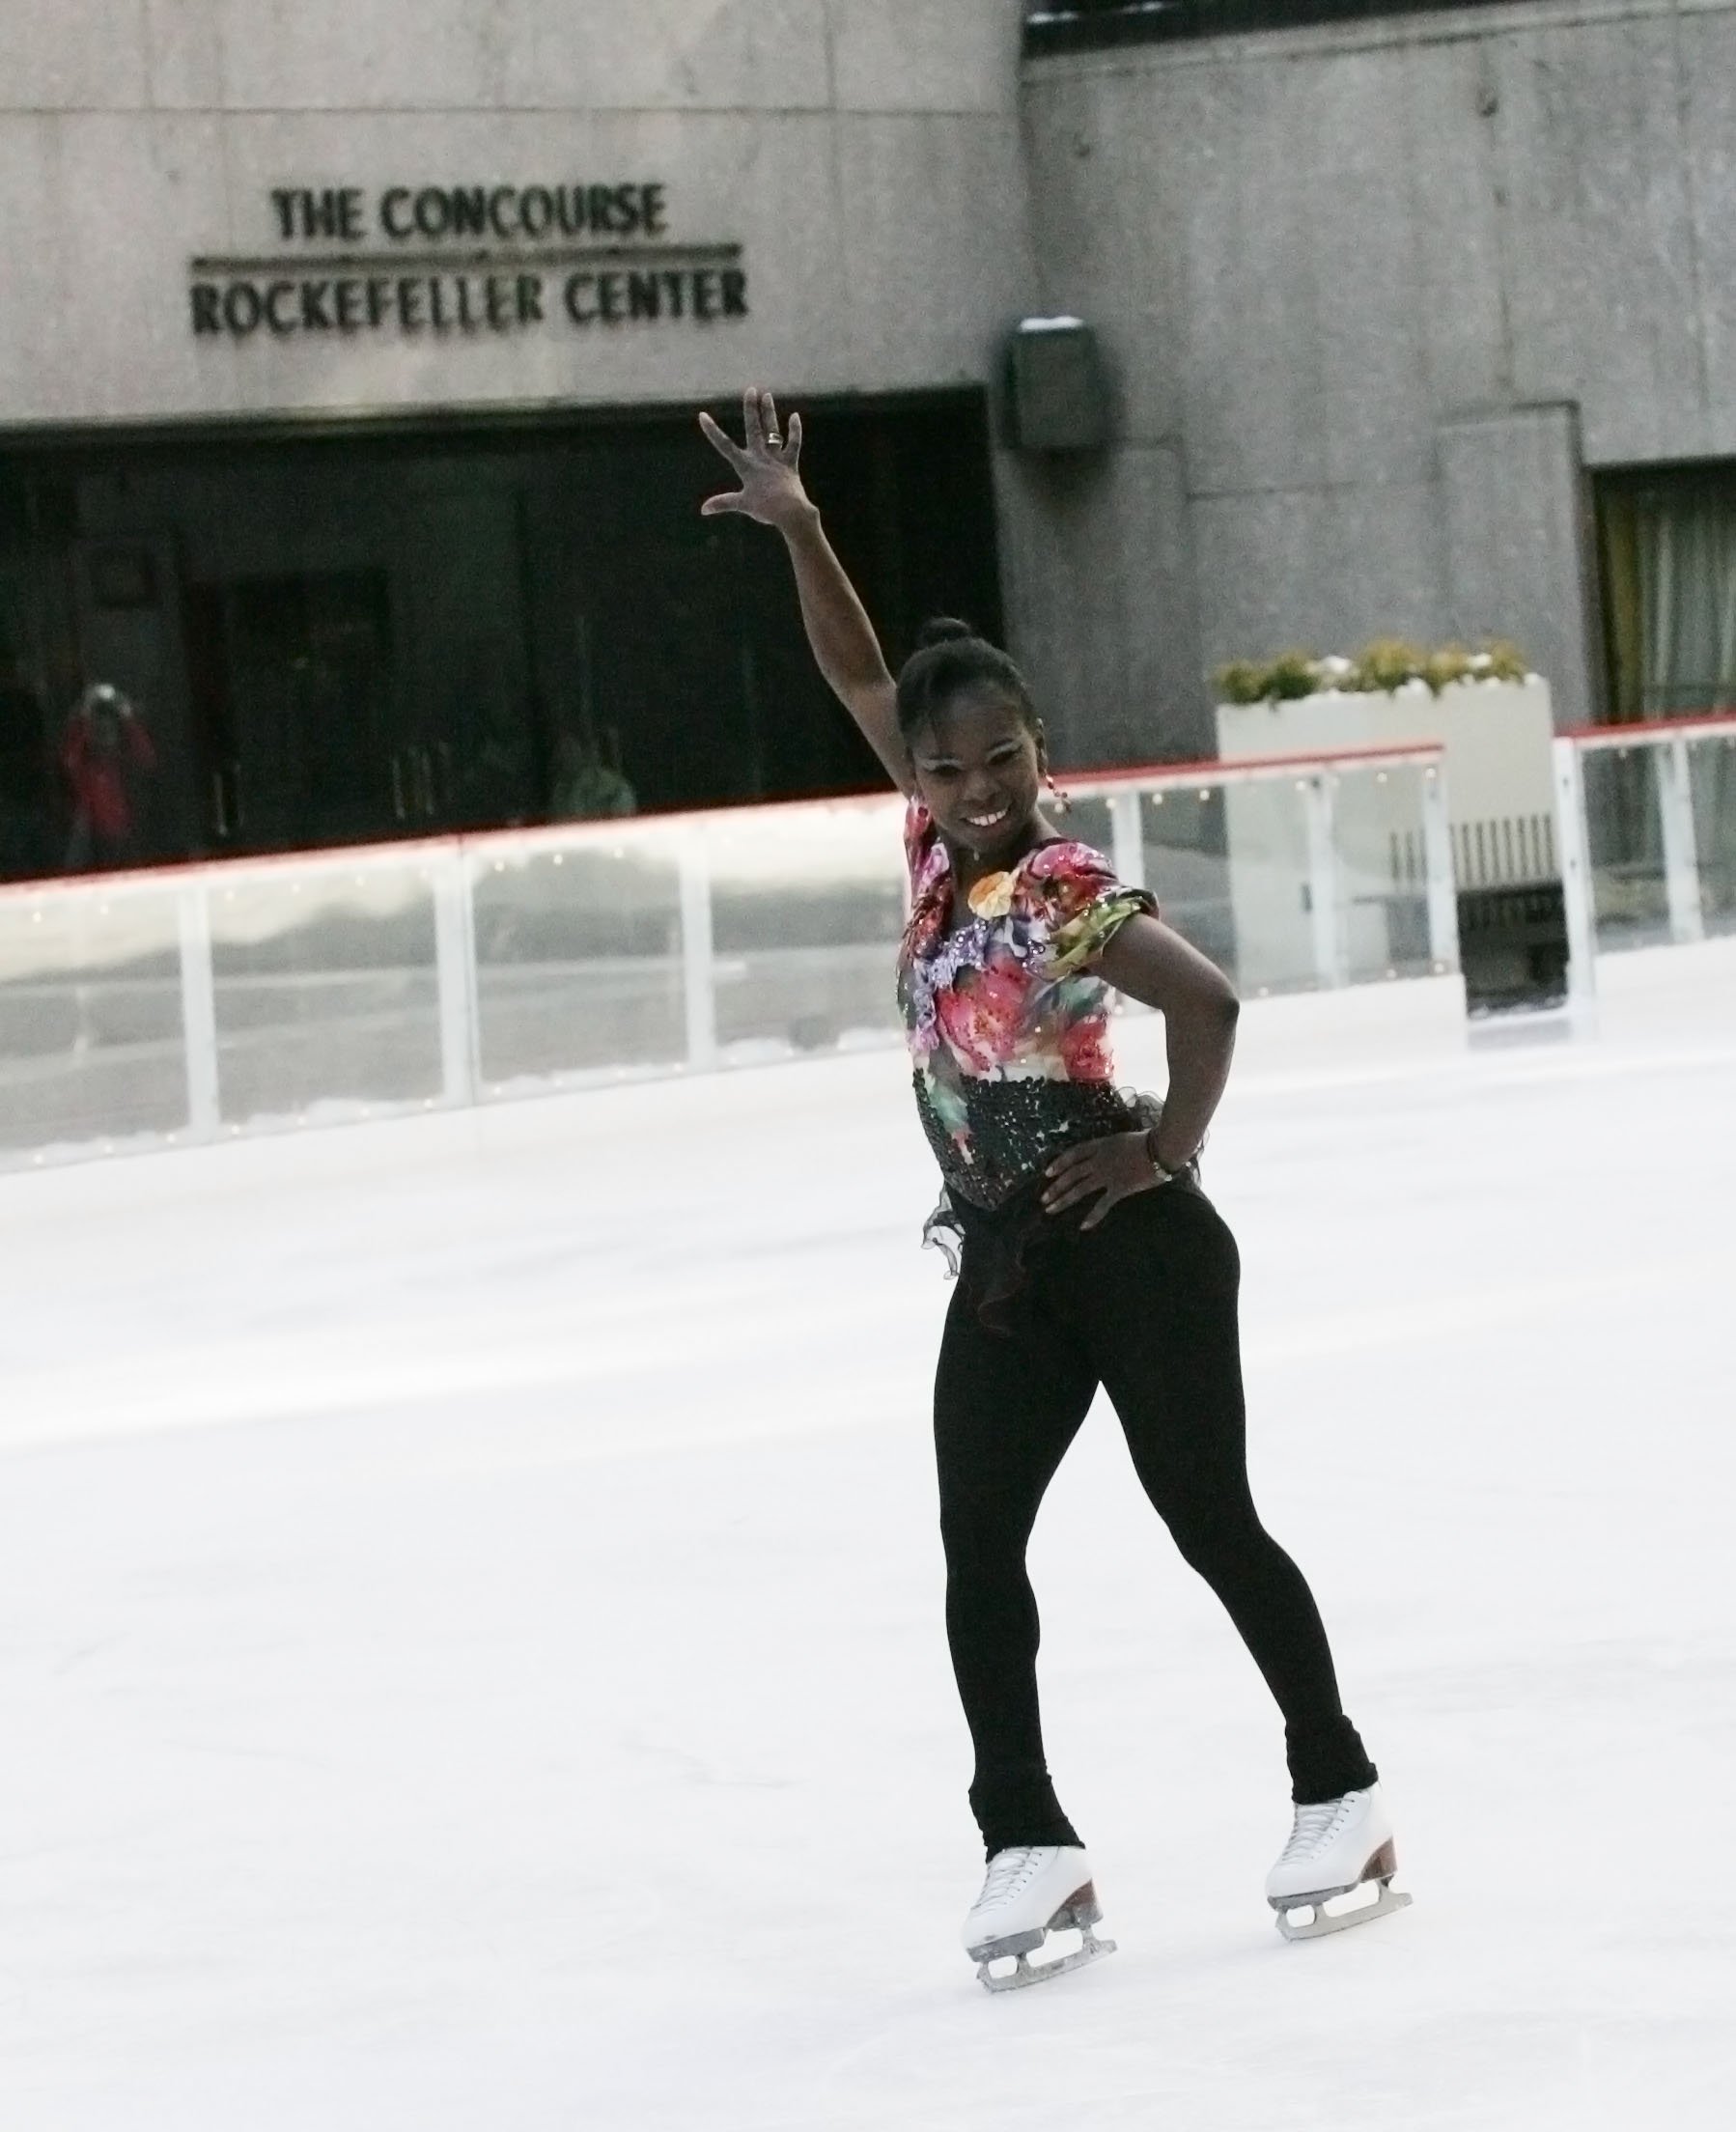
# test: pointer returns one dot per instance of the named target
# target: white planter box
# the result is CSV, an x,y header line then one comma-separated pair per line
x,y
1500,796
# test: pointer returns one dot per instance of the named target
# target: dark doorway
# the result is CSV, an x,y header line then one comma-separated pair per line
x,y
294,703
383,631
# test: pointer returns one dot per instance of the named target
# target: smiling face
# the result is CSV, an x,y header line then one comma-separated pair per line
x,y
979,769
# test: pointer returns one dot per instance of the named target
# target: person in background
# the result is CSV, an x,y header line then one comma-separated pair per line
x,y
109,762
588,785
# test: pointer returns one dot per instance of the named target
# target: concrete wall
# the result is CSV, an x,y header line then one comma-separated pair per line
x,y
867,157
1373,296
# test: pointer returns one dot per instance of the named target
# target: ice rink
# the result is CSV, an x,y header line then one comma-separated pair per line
x,y
472,1660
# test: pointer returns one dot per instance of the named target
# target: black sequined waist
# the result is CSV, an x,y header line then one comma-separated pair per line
x,y
1015,1126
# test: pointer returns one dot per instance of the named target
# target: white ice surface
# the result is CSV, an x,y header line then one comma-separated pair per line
x,y
470,1645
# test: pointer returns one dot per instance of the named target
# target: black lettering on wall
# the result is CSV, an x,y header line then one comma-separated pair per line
x,y
468,213
492,287
243,309
307,216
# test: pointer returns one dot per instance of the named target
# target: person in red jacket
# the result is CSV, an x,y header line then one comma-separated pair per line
x,y
108,760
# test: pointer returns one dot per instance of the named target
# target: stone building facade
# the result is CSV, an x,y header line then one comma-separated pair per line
x,y
349,352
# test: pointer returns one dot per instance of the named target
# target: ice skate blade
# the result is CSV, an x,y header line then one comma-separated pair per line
x,y
1077,1914
1025,1972
1323,1922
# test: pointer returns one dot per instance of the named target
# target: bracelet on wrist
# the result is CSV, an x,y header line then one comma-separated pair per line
x,y
1166,1173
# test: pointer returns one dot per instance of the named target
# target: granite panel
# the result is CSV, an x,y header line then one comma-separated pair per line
x,y
1063,579
715,55
1707,46
1103,169
918,55
74,55
185,53
1452,199
1304,360
1099,577
1166,709
937,256
94,319
1512,502
1326,568
718,55
1597,235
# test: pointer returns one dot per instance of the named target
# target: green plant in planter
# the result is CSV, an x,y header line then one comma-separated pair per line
x,y
1505,661
1241,681
1292,675
1388,664
1452,662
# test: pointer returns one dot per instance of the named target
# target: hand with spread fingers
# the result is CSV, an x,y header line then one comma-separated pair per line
x,y
767,465
1118,1168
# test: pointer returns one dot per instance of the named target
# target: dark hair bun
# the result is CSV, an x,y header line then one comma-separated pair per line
x,y
944,629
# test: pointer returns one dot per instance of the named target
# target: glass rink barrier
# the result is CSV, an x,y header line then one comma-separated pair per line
x,y
161,1009
1647,817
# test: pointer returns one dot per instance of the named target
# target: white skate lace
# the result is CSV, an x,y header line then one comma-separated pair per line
x,y
1316,1826
1006,1868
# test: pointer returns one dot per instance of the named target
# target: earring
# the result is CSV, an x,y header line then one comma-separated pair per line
x,y
1063,804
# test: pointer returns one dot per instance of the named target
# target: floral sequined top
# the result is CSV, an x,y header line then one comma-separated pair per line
x,y
1006,1019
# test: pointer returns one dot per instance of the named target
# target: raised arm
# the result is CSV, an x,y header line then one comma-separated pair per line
x,y
841,635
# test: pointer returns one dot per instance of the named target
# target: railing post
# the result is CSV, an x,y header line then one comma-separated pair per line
x,y
1127,839
1572,847
199,1011
454,969
1681,858
698,981
1331,963
1437,871
1127,851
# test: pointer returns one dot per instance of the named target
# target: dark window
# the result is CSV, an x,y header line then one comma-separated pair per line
x,y
1666,540
387,633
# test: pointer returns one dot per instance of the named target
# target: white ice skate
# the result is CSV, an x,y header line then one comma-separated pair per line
x,y
1032,1892
1339,1848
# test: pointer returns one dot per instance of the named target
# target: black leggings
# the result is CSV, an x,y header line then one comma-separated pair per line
x,y
1145,1306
